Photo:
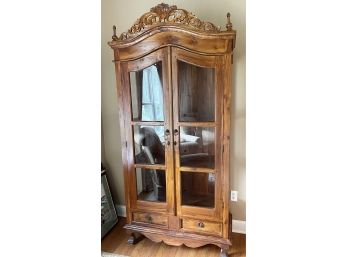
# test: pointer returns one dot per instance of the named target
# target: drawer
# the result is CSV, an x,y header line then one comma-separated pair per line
x,y
150,218
202,226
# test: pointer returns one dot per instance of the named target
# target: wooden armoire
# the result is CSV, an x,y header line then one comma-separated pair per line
x,y
174,89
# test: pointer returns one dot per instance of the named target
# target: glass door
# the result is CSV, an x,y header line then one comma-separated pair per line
x,y
150,154
197,116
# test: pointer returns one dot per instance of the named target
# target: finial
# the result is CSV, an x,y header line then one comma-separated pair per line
x,y
229,23
114,37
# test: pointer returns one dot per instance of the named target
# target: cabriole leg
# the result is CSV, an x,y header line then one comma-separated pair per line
x,y
134,238
224,252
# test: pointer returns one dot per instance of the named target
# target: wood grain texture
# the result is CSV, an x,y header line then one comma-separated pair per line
x,y
150,218
202,226
164,13
207,54
215,62
226,125
122,113
116,242
189,238
153,42
168,25
136,65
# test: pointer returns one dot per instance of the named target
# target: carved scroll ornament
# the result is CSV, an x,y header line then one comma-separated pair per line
x,y
163,13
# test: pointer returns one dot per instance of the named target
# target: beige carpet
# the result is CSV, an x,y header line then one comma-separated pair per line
x,y
105,254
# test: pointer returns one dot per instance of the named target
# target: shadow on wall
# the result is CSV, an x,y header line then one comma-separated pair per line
x,y
238,155
238,209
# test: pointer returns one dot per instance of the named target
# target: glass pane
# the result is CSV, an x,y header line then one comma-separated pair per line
x,y
151,185
196,93
147,94
197,147
198,189
149,144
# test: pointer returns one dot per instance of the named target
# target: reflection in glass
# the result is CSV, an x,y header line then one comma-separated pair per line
x,y
147,94
149,144
196,93
197,147
198,189
151,185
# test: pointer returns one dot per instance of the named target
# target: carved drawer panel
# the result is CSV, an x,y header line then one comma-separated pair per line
x,y
150,218
202,226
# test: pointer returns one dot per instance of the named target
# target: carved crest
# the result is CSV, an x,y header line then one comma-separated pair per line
x,y
163,13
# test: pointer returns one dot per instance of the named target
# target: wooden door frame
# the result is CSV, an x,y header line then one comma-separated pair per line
x,y
133,204
217,62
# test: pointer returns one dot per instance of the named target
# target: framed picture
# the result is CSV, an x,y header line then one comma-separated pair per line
x,y
108,212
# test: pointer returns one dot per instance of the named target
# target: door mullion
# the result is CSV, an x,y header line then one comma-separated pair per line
x,y
168,126
175,112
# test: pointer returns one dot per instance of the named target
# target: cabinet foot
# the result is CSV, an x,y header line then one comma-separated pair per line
x,y
134,238
224,253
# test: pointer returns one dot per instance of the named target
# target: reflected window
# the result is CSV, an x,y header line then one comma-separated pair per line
x,y
147,94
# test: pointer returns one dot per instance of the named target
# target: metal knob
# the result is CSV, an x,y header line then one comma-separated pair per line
x,y
176,131
149,218
167,132
200,224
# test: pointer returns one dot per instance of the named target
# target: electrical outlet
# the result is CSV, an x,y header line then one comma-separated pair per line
x,y
234,196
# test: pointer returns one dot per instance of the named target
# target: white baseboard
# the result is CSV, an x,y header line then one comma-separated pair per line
x,y
238,226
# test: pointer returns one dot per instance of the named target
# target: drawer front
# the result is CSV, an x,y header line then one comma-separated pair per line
x,y
202,226
150,218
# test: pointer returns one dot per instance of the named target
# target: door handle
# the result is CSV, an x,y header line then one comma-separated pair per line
x,y
167,132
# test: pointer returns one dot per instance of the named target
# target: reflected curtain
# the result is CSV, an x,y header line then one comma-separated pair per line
x,y
152,97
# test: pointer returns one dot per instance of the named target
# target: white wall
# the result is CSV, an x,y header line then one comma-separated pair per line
x,y
123,14
103,159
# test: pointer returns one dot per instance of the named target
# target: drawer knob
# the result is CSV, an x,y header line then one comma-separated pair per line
x,y
149,218
201,224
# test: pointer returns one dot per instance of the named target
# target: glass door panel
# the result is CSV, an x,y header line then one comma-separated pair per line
x,y
151,185
196,93
197,114
148,132
147,94
198,189
197,147
149,144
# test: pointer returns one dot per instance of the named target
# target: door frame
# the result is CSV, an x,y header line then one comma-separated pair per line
x,y
207,61
160,55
